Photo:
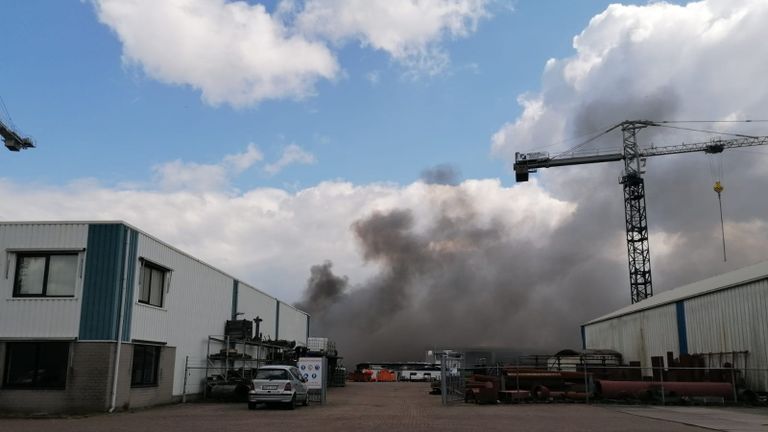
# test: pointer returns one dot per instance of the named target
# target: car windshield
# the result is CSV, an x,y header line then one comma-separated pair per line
x,y
272,374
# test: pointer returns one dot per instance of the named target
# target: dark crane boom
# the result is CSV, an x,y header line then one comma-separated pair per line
x,y
14,141
640,282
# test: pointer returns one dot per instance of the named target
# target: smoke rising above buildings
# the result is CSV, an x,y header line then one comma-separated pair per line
x,y
461,280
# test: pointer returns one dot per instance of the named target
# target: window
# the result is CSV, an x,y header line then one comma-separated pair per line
x,y
271,374
146,358
36,364
152,284
45,275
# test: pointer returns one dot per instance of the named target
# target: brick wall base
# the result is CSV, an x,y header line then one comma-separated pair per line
x,y
89,383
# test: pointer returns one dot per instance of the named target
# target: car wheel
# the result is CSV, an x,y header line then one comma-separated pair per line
x,y
292,403
251,405
306,399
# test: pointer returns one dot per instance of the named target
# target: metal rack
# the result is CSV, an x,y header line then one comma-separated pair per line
x,y
235,362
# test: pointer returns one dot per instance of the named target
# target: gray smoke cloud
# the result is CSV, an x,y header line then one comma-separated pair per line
x,y
442,174
326,288
460,282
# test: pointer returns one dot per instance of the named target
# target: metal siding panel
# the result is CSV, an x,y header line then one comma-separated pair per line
x,y
293,324
39,317
637,336
733,320
197,303
101,286
253,303
129,283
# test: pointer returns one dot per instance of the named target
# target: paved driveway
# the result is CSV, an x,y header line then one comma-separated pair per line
x,y
385,407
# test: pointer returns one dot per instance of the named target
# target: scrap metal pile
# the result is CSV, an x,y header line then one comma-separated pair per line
x,y
684,380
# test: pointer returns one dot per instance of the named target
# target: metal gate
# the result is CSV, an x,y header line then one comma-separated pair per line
x,y
452,378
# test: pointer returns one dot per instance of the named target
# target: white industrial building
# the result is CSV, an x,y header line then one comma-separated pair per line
x,y
723,318
75,294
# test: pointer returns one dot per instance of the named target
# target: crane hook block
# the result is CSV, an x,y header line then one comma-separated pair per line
x,y
718,187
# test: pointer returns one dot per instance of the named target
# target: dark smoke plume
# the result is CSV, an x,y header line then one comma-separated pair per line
x,y
324,288
458,283
442,174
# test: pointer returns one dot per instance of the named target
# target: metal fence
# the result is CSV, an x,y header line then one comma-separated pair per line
x,y
553,381
452,377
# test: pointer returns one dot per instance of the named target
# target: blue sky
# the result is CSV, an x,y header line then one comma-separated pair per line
x,y
93,116
257,137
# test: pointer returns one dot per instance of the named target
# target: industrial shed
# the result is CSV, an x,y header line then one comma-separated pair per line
x,y
723,318
75,294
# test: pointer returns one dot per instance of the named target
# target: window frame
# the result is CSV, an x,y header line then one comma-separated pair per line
x,y
39,355
149,265
155,366
46,271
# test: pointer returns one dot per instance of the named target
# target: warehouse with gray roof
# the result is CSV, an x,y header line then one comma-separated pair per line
x,y
723,318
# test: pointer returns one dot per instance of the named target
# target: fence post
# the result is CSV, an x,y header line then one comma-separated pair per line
x,y
586,382
661,378
502,376
733,382
184,388
443,379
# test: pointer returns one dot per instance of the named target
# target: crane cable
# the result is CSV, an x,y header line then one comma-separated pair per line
x,y
716,171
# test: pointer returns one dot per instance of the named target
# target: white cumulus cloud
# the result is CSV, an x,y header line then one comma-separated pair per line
x,y
234,52
292,154
270,237
408,30
660,61
178,175
240,54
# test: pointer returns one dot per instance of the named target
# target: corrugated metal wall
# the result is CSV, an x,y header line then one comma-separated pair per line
x,y
198,301
735,319
253,303
39,317
106,267
292,324
637,336
716,324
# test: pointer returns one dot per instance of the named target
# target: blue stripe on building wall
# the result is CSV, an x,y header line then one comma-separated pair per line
x,y
235,288
682,333
104,270
133,252
583,338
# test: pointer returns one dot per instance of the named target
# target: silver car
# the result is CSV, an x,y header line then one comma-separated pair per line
x,y
278,384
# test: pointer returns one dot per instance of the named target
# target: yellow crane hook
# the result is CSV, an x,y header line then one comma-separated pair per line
x,y
719,188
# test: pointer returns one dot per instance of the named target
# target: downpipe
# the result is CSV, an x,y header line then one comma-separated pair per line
x,y
121,314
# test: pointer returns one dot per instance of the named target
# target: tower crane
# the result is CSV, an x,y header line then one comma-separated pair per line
x,y
14,141
640,283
